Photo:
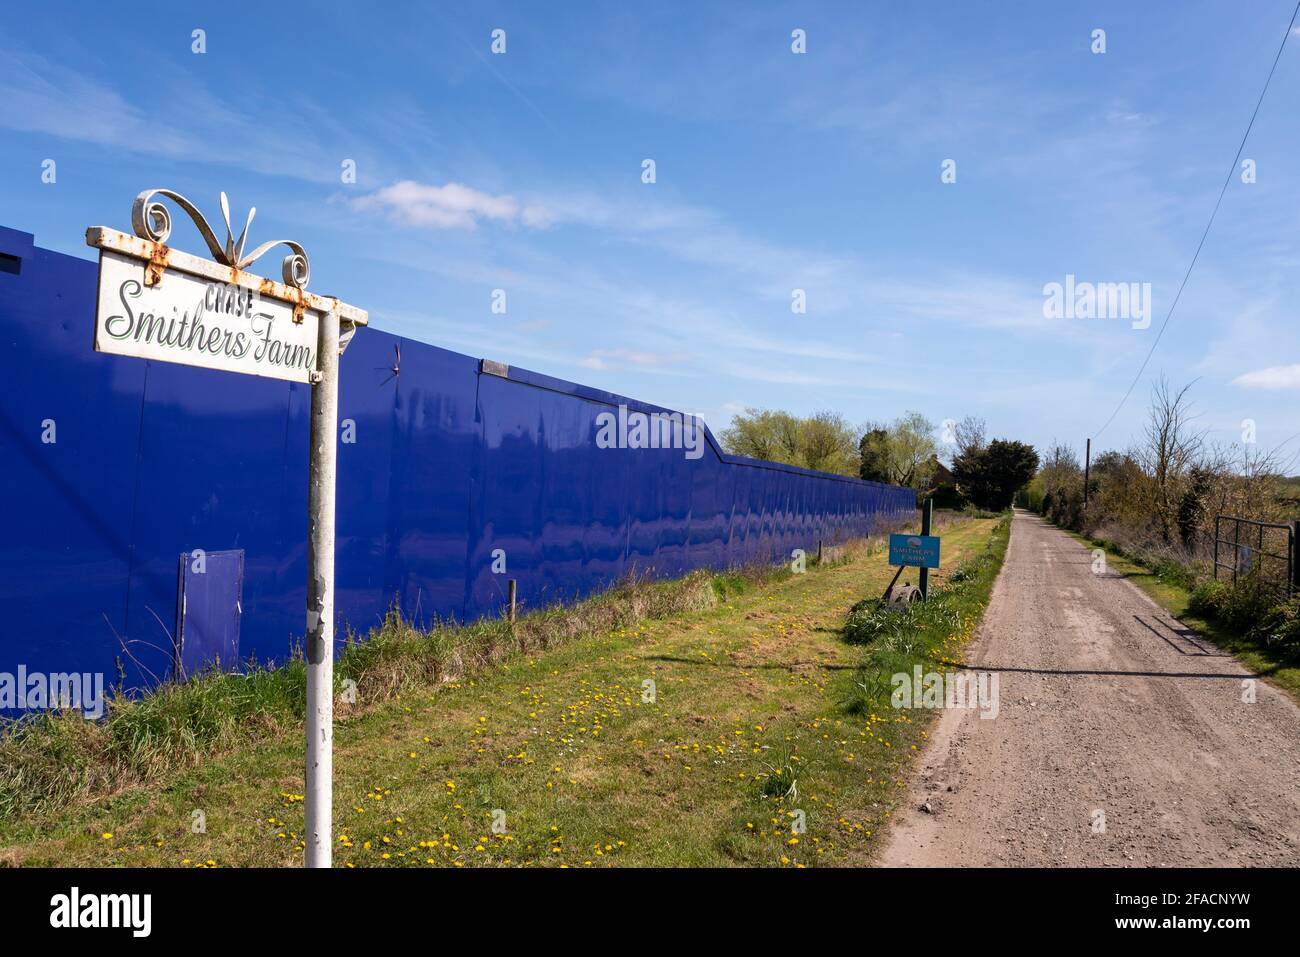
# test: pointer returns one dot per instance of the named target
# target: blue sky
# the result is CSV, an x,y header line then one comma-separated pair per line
x,y
775,171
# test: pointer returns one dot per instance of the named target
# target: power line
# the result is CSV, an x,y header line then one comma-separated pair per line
x,y
1195,256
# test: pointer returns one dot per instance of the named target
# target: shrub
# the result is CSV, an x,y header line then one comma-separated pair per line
x,y
1174,572
1065,508
1207,599
1279,628
1242,606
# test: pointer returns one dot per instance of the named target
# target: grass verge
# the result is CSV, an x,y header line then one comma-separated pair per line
x,y
53,758
697,738
931,633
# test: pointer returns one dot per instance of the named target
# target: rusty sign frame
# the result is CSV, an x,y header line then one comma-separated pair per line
x,y
159,258
152,224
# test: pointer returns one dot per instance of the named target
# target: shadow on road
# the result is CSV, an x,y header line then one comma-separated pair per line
x,y
1081,672
1184,634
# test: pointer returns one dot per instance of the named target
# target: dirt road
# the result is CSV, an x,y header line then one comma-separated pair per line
x,y
1107,706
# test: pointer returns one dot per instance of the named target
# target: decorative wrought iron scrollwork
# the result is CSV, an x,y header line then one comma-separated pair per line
x,y
152,220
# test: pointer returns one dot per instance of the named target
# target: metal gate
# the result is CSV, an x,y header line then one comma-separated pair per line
x,y
1263,551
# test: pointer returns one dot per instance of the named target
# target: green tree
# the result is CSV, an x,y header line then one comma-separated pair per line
x,y
762,434
903,453
1061,481
914,449
991,475
822,441
873,450
826,443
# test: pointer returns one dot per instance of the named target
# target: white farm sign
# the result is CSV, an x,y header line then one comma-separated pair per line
x,y
160,303
201,321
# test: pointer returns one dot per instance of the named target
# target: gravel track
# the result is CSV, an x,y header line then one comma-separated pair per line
x,y
1107,704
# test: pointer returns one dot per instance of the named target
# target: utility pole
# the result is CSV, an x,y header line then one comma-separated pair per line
x,y
1087,466
318,796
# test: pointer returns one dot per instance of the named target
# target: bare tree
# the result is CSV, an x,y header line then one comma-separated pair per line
x,y
1259,485
1161,497
1172,448
1061,458
970,435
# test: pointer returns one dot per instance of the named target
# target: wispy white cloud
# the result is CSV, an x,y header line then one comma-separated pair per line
x,y
529,326
190,123
1129,118
646,361
451,206
1274,377
740,305
42,97
457,206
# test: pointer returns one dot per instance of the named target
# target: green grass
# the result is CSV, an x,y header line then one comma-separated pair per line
x,y
930,633
751,727
1171,588
52,758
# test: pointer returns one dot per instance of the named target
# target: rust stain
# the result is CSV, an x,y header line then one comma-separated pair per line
x,y
159,257
299,304
274,290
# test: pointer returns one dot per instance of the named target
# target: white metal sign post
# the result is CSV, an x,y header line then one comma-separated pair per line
x,y
318,796
159,303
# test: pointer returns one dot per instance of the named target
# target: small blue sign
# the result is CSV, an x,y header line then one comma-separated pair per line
x,y
919,551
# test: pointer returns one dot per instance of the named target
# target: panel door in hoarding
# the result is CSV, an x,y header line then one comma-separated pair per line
x,y
208,610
